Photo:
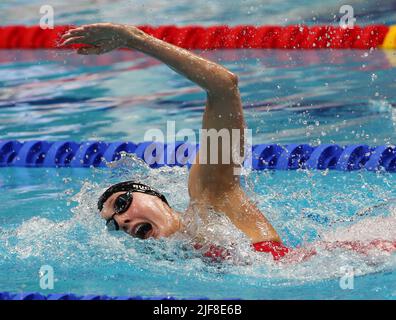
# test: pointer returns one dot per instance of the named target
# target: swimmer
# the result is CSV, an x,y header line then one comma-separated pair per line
x,y
143,212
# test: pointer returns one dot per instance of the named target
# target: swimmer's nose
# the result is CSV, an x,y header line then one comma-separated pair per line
x,y
125,224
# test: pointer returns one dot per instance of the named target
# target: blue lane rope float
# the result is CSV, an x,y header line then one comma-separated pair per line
x,y
72,296
48,154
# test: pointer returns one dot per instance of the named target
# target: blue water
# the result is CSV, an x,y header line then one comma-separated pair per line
x,y
289,96
200,12
47,216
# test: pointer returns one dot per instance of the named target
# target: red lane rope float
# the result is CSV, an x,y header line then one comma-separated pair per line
x,y
225,37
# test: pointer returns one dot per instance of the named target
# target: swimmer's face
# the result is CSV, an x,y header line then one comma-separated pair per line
x,y
146,217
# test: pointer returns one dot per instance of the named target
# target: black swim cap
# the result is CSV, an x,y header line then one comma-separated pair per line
x,y
129,186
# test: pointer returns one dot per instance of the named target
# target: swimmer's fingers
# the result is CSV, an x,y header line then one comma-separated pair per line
x,y
75,40
84,30
96,47
86,34
73,33
92,31
88,41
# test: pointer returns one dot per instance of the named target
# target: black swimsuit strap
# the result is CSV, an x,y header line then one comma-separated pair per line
x,y
129,186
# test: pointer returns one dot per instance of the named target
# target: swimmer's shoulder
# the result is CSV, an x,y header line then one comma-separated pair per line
x,y
242,212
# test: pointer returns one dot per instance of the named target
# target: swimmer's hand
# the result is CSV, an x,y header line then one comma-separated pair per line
x,y
100,37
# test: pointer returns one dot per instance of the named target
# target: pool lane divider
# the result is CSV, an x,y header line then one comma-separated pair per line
x,y
390,38
225,37
72,296
88,154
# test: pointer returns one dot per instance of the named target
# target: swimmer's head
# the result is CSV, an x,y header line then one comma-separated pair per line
x,y
139,210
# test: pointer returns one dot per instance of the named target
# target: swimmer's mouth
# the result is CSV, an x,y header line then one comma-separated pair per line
x,y
142,231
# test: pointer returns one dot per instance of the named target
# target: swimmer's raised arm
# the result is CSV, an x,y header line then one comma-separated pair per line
x,y
223,107
105,37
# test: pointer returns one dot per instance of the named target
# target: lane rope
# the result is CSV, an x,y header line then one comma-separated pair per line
x,y
72,296
225,37
56,154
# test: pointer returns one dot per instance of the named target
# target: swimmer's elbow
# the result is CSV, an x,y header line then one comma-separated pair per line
x,y
226,82
233,78
230,80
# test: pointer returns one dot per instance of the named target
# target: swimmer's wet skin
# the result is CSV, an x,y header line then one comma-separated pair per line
x,y
143,212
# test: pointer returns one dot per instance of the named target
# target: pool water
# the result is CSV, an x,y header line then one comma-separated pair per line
x,y
160,12
48,216
289,96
